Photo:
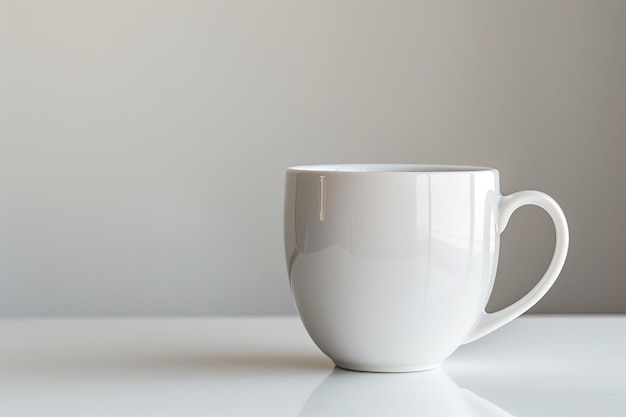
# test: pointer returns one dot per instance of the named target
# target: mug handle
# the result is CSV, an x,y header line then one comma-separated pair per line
x,y
489,322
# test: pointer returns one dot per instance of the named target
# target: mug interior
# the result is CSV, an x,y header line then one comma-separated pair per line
x,y
389,168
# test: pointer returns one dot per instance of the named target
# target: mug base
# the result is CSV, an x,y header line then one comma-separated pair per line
x,y
385,369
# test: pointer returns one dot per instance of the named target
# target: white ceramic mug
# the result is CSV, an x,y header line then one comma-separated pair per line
x,y
391,266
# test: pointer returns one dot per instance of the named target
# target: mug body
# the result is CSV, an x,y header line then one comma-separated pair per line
x,y
390,266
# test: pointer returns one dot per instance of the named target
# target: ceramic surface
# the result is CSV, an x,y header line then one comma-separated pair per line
x,y
391,266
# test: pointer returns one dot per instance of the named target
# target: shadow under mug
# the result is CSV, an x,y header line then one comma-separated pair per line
x,y
432,393
391,266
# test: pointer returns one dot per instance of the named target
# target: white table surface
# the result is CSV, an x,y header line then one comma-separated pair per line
x,y
536,366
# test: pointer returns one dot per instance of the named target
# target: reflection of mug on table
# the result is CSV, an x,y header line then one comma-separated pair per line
x,y
431,393
391,266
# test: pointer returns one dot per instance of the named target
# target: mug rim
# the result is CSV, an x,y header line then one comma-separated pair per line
x,y
407,168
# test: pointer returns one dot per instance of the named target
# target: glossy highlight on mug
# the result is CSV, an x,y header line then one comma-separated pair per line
x,y
391,266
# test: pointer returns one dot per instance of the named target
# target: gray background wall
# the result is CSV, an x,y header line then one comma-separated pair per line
x,y
143,143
